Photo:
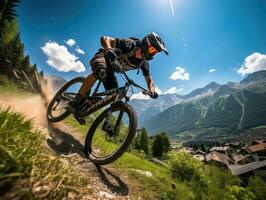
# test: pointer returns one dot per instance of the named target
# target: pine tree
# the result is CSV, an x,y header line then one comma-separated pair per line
x,y
7,9
160,145
166,142
12,58
7,40
25,64
136,142
157,146
7,12
144,141
41,74
15,52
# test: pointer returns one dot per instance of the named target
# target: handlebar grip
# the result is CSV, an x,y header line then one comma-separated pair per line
x,y
146,92
152,95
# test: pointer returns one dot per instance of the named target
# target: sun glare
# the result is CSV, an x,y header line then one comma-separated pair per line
x,y
166,5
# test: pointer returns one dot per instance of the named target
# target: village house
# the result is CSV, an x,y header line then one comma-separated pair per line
x,y
225,150
220,158
242,159
234,145
258,150
257,168
258,142
201,155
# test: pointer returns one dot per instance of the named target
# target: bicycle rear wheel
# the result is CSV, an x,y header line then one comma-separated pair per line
x,y
111,134
56,110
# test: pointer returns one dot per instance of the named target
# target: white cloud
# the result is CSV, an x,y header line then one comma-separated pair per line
x,y
140,95
61,59
171,90
212,70
174,90
180,73
79,50
254,62
71,42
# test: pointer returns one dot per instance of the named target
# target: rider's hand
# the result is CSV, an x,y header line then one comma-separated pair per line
x,y
110,56
153,95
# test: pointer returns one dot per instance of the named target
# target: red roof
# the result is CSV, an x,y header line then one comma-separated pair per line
x,y
219,157
239,157
257,147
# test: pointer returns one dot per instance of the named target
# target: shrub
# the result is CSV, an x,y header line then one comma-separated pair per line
x,y
220,177
258,187
184,167
239,193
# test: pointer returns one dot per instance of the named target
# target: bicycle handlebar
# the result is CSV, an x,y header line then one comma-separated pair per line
x,y
116,64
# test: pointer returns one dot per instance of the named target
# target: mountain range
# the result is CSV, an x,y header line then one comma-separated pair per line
x,y
231,107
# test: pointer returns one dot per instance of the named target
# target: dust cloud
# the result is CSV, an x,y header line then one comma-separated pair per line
x,y
32,106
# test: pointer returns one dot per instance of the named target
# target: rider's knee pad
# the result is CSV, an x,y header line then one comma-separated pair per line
x,y
100,73
98,66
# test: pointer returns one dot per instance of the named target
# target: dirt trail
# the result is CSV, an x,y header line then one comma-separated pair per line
x,y
67,142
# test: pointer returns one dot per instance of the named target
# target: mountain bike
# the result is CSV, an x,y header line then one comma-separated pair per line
x,y
113,130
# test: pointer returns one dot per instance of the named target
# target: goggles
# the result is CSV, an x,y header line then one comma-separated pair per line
x,y
151,50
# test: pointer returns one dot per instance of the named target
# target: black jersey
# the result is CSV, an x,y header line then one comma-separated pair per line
x,y
125,49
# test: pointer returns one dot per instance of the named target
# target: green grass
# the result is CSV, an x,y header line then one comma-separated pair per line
x,y
27,169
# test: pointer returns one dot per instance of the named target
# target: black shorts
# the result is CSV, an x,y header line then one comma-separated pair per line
x,y
99,61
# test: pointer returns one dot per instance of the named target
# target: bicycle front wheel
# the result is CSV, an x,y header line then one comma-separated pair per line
x,y
111,134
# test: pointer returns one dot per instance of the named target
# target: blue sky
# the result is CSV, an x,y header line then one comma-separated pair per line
x,y
201,35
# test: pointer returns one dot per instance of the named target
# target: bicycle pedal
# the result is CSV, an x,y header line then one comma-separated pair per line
x,y
81,121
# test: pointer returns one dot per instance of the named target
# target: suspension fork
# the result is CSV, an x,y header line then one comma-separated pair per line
x,y
118,122
107,126
120,116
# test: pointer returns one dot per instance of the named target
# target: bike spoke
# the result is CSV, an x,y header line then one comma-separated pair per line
x,y
110,143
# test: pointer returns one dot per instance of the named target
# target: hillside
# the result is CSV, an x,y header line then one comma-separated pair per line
x,y
48,163
233,106
147,108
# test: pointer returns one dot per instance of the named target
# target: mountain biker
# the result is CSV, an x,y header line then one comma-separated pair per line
x,y
131,52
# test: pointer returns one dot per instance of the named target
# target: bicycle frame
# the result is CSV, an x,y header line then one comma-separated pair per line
x,y
112,95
